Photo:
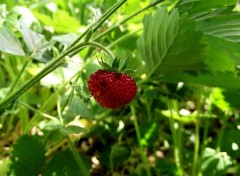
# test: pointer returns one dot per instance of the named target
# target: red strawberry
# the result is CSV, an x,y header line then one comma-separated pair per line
x,y
111,89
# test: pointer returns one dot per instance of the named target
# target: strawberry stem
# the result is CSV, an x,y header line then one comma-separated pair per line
x,y
105,49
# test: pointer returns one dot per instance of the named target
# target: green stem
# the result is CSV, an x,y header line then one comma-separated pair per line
x,y
149,111
220,135
126,19
109,13
107,51
196,150
175,130
48,103
2,75
73,149
143,155
79,160
121,39
68,100
205,136
53,148
19,76
203,145
9,68
52,65
97,45
59,111
37,111
94,26
196,157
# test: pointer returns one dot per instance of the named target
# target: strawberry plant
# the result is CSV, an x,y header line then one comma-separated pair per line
x,y
170,108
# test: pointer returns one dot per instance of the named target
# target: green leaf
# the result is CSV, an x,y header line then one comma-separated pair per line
x,y
232,97
115,63
81,94
66,39
224,80
104,65
221,25
28,156
170,43
214,163
165,167
64,163
20,14
61,21
79,107
225,26
231,143
200,8
52,126
124,66
9,43
119,154
72,129
35,42
221,55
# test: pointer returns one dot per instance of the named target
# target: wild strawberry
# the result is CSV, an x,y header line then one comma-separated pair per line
x,y
112,89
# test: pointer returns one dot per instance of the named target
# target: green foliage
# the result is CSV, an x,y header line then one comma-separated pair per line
x,y
224,80
231,96
183,55
230,143
221,55
4,167
215,163
119,154
204,8
225,26
64,163
36,43
65,39
167,41
164,167
60,21
28,156
10,43
64,130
